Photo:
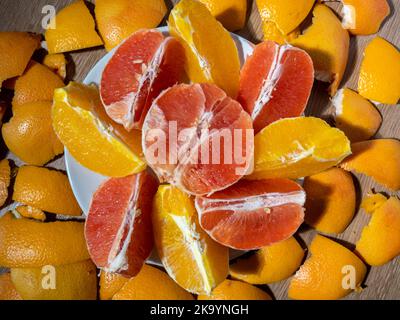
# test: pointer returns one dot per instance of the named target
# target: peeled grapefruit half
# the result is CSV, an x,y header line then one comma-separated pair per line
x,y
198,139
144,65
275,83
118,228
253,214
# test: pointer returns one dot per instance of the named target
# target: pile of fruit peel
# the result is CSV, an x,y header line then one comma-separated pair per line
x,y
278,170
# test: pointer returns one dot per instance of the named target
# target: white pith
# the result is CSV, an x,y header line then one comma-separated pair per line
x,y
349,17
337,102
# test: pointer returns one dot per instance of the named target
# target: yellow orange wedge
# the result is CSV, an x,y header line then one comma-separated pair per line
x,y
298,147
7,288
5,172
57,63
211,52
189,255
328,45
110,284
31,212
74,29
379,79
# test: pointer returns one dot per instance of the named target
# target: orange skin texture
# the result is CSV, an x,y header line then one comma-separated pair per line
x,y
16,49
321,276
269,264
372,202
380,240
331,200
5,172
57,63
328,45
236,290
110,284
272,32
378,159
369,15
31,212
118,19
7,288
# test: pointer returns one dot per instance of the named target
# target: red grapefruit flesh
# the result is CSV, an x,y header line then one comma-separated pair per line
x,y
197,138
118,228
144,65
252,214
275,83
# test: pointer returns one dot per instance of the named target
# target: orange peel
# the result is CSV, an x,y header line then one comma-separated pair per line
x,y
31,212
7,288
57,63
372,201
5,176
110,284
271,32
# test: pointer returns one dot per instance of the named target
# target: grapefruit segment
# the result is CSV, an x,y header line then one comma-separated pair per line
x,y
253,214
143,66
118,228
269,83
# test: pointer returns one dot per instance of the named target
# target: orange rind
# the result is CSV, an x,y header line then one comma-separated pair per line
x,y
5,173
57,63
110,284
269,264
31,212
378,159
271,32
372,202
7,288
331,273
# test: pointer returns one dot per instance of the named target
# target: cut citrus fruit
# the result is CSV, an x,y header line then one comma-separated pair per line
x,y
91,141
191,258
29,133
76,281
7,288
328,45
73,29
140,69
379,159
372,201
379,80
331,272
45,189
235,290
152,284
36,84
380,240
252,214
271,32
363,17
110,284
31,212
298,147
197,138
16,49
26,243
118,19
211,53
269,83
355,115
118,227
331,200
231,13
269,264
57,63
5,176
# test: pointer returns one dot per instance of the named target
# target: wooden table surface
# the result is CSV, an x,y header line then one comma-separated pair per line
x,y
382,282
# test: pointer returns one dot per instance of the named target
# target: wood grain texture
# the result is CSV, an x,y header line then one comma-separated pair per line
x,y
382,282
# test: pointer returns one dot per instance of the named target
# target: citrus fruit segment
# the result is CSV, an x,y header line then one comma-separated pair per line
x,y
76,281
328,45
331,200
269,83
90,140
57,63
5,176
355,115
372,201
298,147
379,80
110,284
380,240
140,69
378,159
73,29
235,290
252,214
45,189
273,33
31,212
7,288
118,19
363,17
269,264
197,138
151,284
25,243
36,84
211,53
331,272
29,133
231,13
189,255
16,49
118,227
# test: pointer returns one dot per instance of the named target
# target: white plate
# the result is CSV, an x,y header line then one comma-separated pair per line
x,y
84,182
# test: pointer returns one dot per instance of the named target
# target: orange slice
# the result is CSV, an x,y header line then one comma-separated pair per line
x,y
189,255
211,52
57,63
7,288
379,79
298,147
5,172
74,29
110,284
31,212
